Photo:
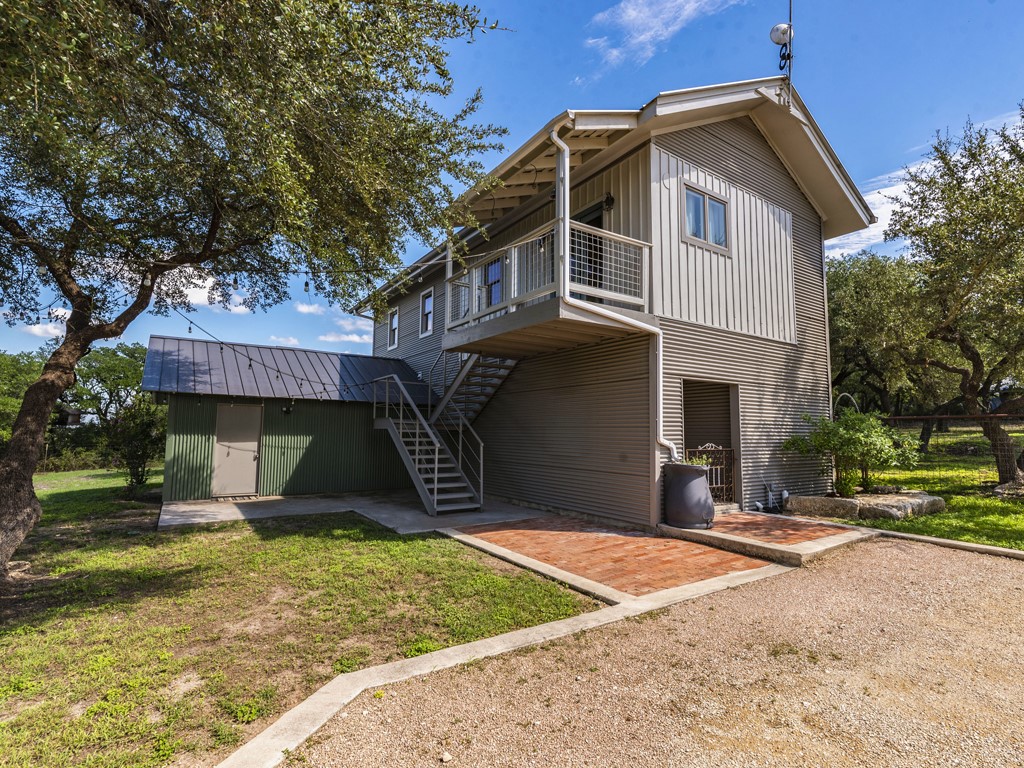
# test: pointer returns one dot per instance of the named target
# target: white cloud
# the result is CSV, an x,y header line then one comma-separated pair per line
x,y
352,323
878,193
288,341
309,309
236,307
44,330
352,338
643,25
60,313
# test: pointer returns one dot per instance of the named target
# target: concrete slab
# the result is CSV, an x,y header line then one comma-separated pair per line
x,y
400,511
795,553
178,513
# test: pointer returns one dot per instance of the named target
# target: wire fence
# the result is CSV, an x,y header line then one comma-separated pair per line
x,y
956,454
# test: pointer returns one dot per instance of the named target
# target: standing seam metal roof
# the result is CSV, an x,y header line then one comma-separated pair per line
x,y
200,367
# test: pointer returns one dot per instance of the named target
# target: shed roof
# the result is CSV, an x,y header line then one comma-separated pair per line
x,y
200,367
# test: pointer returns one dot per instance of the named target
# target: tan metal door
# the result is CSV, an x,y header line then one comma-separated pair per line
x,y
236,456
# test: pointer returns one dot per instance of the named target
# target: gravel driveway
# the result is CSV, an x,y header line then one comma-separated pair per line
x,y
890,653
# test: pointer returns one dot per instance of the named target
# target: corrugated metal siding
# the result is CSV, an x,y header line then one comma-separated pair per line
x,y
748,289
706,414
188,460
326,448
572,430
778,381
321,447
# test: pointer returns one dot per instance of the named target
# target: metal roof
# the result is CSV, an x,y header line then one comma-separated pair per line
x,y
200,367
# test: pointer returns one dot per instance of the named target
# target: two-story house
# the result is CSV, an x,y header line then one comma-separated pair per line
x,y
650,287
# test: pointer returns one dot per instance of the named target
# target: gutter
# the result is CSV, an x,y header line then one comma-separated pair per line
x,y
562,204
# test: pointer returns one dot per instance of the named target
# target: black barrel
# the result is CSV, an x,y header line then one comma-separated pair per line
x,y
688,502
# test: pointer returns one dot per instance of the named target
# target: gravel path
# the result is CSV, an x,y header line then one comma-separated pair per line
x,y
890,653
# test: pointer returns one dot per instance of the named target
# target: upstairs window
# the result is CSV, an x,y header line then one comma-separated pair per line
x,y
705,218
426,312
392,329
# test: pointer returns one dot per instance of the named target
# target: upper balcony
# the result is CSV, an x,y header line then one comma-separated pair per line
x,y
511,302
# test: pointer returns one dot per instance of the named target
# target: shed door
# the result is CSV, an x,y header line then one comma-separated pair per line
x,y
237,452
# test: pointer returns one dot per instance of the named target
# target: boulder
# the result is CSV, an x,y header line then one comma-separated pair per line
x,y
896,506
822,506
866,506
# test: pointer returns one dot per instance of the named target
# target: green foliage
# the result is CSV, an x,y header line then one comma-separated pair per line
x,y
136,438
17,371
856,444
151,147
874,322
108,379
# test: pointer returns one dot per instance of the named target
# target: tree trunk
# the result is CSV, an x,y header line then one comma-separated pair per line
x,y
1005,449
19,507
926,435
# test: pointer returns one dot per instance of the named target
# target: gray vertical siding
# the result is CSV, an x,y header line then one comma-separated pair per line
x,y
747,288
572,430
778,380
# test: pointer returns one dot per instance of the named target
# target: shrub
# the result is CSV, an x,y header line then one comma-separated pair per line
x,y
854,444
135,437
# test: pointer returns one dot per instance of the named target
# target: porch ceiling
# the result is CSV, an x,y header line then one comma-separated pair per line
x,y
549,326
535,169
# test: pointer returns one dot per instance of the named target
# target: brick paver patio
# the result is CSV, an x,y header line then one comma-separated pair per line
x,y
773,529
630,561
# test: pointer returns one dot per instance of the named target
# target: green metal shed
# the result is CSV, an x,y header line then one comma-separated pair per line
x,y
248,420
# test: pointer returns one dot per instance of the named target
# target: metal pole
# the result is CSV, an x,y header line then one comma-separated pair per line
x,y
792,36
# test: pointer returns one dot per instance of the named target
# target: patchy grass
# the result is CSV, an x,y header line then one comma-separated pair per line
x,y
961,469
121,646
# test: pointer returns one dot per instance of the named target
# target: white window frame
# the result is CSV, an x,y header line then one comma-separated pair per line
x,y
705,242
393,313
430,327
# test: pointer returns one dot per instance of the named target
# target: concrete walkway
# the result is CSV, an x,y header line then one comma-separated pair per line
x,y
399,510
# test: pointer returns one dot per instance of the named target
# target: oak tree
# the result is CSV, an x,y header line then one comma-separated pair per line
x,y
149,147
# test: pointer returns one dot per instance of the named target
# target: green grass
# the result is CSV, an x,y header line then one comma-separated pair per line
x,y
960,468
121,646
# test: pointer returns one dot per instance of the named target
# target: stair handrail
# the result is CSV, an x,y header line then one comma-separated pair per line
x,y
405,400
463,426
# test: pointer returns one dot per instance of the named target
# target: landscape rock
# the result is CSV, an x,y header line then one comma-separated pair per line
x,y
822,506
896,506
867,506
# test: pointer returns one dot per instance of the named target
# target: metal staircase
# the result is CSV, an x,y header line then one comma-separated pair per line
x,y
444,459
472,387
441,451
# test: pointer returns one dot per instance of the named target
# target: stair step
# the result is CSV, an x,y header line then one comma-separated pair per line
x,y
456,507
445,498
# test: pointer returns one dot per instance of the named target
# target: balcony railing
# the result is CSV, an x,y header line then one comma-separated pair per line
x,y
603,267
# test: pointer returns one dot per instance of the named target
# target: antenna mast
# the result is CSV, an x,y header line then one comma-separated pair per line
x,y
782,36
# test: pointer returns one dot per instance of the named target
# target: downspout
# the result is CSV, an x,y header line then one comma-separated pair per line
x,y
562,213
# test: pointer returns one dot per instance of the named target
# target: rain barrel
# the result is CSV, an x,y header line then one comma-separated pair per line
x,y
688,502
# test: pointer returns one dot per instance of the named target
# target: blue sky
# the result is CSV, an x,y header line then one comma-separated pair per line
x,y
880,78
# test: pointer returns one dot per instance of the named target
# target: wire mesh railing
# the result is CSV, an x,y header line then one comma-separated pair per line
x,y
603,266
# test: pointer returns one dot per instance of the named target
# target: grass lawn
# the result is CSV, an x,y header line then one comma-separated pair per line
x,y
121,646
961,469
